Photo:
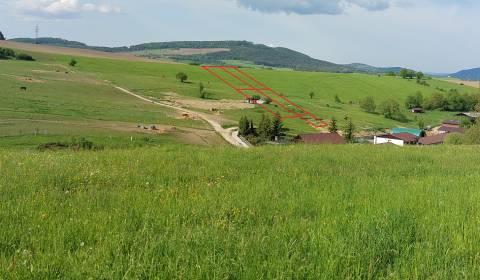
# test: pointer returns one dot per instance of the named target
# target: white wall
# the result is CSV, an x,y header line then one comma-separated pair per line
x,y
381,140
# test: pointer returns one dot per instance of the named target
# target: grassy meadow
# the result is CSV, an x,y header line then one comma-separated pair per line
x,y
186,212
61,103
87,93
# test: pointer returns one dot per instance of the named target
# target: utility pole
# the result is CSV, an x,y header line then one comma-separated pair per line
x,y
37,30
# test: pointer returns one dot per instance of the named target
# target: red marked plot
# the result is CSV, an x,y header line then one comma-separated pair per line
x,y
246,85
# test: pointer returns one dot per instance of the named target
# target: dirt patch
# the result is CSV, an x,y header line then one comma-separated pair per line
x,y
23,78
474,84
210,105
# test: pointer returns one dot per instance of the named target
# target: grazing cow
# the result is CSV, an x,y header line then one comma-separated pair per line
x,y
23,88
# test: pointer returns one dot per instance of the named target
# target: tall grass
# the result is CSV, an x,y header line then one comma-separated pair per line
x,y
352,212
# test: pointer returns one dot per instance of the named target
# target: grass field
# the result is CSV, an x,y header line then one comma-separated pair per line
x,y
88,92
351,212
62,102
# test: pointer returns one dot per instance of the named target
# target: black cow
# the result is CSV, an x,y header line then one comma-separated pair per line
x,y
23,88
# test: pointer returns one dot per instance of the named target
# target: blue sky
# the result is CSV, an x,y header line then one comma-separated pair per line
x,y
428,35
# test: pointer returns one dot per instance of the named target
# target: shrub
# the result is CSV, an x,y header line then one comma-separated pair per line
x,y
391,110
414,101
72,62
25,57
368,104
182,77
454,139
6,53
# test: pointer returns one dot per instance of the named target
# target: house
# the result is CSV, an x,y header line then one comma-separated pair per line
x,y
320,138
473,116
399,139
388,139
254,101
418,110
451,129
416,132
433,140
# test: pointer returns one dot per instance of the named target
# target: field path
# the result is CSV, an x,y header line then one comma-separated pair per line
x,y
230,135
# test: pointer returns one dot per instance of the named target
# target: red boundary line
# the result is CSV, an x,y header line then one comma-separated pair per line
x,y
262,91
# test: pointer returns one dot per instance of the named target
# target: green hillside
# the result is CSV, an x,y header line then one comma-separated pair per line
x,y
180,212
240,51
85,92
62,103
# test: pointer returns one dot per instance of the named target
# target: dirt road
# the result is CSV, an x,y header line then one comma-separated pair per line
x,y
230,134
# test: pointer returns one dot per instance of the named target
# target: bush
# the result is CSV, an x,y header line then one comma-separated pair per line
x,y
72,62
368,104
25,57
454,139
391,110
414,101
6,53
182,77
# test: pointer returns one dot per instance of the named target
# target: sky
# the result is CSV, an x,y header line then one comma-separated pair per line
x,y
440,36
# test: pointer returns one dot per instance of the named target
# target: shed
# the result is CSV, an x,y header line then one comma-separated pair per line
x,y
321,138
433,140
388,139
416,132
418,110
407,138
473,116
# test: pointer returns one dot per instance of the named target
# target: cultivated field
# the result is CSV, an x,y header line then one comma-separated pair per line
x,y
184,212
474,84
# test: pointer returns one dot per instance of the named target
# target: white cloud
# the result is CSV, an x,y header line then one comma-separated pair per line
x,y
59,9
311,7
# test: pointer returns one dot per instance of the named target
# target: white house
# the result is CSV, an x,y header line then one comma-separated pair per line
x,y
388,139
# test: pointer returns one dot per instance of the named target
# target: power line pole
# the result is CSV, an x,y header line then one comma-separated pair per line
x,y
37,30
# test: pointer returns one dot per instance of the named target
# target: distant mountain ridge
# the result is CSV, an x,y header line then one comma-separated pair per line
x,y
468,75
257,54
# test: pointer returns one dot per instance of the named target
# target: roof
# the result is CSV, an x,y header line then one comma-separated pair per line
x,y
417,109
452,122
322,138
473,115
389,136
406,137
432,140
452,129
416,132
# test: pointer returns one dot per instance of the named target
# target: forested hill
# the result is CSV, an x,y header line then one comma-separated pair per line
x,y
228,51
469,75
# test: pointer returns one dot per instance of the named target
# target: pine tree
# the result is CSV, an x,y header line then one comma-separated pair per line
x,y
337,99
264,128
332,126
243,126
251,128
277,129
2,38
201,91
349,130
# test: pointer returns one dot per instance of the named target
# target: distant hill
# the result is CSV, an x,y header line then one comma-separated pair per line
x,y
372,69
242,51
468,75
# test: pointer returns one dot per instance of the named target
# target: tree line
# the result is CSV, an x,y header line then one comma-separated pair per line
x,y
268,129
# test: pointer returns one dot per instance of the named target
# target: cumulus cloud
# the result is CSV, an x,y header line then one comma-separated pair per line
x,y
311,7
57,9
